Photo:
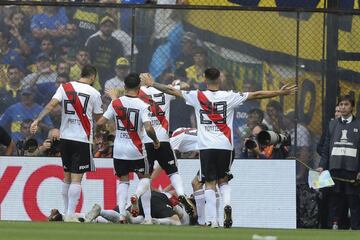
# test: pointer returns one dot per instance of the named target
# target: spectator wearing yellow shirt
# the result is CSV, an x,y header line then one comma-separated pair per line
x,y
82,59
195,73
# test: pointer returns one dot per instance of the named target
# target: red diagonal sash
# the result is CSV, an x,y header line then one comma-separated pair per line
x,y
154,108
214,117
80,111
134,136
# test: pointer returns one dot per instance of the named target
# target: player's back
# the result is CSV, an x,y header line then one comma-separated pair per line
x,y
129,113
160,111
79,101
214,115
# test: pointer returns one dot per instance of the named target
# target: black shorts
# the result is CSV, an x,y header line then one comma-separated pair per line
x,y
76,156
164,155
160,206
124,167
215,163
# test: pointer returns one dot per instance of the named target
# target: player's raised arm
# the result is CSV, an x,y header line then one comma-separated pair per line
x,y
148,81
284,90
150,131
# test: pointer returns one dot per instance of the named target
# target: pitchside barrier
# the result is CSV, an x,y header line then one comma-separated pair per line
x,y
263,191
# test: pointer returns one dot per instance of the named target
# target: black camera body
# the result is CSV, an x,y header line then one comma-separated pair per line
x,y
251,143
54,146
272,138
30,145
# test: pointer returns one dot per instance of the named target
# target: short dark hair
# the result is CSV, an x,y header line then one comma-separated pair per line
x,y
64,75
347,97
212,74
132,80
88,71
257,111
276,105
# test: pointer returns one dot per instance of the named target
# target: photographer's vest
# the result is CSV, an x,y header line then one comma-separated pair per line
x,y
344,145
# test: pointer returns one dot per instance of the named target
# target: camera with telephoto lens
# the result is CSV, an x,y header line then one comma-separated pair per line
x,y
54,146
29,145
272,138
251,142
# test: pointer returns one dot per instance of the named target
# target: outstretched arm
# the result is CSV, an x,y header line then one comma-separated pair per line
x,y
48,108
284,90
148,81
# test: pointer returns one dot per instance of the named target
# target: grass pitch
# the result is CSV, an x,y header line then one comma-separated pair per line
x,y
68,231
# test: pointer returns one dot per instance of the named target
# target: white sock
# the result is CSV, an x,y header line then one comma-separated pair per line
x,y
136,220
100,219
166,221
177,183
225,191
145,202
122,194
74,196
217,195
64,192
110,215
142,187
199,196
210,205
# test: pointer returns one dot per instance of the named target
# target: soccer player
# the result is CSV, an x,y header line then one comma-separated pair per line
x,y
81,103
214,111
131,116
160,110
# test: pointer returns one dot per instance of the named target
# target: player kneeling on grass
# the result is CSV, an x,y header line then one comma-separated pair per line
x,y
162,210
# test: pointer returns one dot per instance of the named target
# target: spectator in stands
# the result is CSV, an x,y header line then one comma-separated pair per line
x,y
21,38
195,73
188,44
42,77
15,114
47,47
10,93
86,20
82,59
274,116
121,71
50,23
9,56
104,49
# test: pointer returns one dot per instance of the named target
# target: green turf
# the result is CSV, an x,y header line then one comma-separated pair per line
x,y
69,231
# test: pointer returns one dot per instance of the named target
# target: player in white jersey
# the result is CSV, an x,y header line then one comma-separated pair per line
x,y
81,104
160,110
214,111
131,116
184,140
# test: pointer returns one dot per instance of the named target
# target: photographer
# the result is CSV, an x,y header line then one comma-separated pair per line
x,y
104,144
50,147
263,145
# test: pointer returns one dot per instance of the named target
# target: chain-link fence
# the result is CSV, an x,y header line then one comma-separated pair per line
x,y
44,46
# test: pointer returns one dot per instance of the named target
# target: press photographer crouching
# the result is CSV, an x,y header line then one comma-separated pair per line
x,y
50,147
264,144
104,144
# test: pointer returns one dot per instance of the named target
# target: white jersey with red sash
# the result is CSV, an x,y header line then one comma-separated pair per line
x,y
214,115
184,140
79,101
129,114
160,111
